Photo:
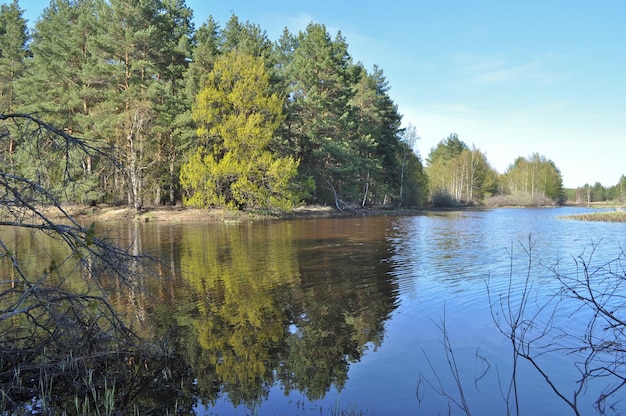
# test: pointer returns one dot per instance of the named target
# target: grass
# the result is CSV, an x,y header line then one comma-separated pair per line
x,y
605,216
353,410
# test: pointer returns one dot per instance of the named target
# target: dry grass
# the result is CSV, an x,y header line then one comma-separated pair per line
x,y
605,216
99,213
152,214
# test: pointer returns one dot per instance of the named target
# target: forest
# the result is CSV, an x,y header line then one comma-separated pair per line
x,y
223,116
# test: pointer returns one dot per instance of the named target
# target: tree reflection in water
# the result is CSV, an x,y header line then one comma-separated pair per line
x,y
275,304
243,308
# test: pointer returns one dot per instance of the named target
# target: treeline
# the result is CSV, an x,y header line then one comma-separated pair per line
x,y
598,192
223,116
462,175
459,174
213,116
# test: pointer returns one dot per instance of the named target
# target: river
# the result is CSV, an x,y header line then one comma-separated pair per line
x,y
353,315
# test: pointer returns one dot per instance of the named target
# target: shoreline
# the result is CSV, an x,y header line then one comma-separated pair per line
x,y
104,213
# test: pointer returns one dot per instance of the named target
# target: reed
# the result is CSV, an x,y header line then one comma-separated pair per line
x,y
604,216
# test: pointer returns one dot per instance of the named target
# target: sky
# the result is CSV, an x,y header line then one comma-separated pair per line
x,y
509,78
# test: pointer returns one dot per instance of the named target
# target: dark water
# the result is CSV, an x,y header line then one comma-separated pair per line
x,y
321,315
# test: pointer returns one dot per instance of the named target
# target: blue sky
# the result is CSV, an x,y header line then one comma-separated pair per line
x,y
510,78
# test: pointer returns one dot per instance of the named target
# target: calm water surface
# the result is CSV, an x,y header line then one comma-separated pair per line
x,y
306,316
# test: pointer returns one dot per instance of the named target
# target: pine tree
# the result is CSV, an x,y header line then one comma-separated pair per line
x,y
386,155
284,143
206,47
322,123
171,128
368,128
237,119
13,52
246,38
146,47
65,81
64,61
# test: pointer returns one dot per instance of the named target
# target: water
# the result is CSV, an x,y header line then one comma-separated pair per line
x,y
310,316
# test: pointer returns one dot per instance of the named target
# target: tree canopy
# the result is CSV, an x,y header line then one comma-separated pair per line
x,y
139,82
131,77
237,118
536,176
458,173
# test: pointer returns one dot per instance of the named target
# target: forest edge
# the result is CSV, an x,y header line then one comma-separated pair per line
x,y
104,213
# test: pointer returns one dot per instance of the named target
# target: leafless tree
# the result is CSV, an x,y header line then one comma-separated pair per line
x,y
60,336
535,324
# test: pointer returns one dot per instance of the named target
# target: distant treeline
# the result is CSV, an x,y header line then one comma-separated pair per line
x,y
598,192
225,116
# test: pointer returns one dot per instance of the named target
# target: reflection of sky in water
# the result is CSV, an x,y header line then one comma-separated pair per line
x,y
441,264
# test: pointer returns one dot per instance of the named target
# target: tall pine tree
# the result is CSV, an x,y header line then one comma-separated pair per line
x,y
321,117
65,80
13,52
144,40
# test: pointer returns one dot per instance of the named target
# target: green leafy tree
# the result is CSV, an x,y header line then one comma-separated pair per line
x,y
443,170
237,119
535,176
459,174
621,189
483,179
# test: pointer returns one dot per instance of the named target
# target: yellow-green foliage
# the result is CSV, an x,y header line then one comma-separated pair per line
x,y
239,324
237,118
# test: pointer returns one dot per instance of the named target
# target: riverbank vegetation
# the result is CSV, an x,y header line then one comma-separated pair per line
x,y
63,345
74,337
224,116
166,114
606,216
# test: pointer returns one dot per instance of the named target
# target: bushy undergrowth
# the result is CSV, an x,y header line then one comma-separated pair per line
x,y
443,199
520,199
